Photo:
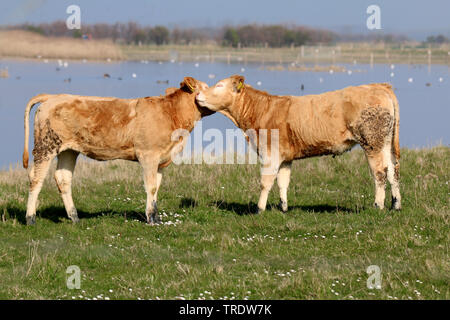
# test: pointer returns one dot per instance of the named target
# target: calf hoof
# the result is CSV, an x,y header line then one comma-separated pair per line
x,y
378,206
258,211
283,206
75,220
396,204
74,216
154,219
31,221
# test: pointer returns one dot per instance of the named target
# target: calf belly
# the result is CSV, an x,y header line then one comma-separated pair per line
x,y
103,154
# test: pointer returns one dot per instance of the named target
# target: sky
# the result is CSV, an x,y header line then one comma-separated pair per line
x,y
414,18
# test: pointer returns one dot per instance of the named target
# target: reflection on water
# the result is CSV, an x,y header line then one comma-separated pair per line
x,y
424,96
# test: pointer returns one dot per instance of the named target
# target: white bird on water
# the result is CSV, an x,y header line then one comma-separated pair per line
x,y
197,65
410,80
259,83
392,74
134,75
441,79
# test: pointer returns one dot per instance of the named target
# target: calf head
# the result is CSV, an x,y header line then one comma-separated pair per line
x,y
193,87
223,94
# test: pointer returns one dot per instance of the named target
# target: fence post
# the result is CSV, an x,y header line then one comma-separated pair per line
x,y
429,60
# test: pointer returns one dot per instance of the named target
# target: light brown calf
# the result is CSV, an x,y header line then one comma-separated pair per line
x,y
105,129
314,125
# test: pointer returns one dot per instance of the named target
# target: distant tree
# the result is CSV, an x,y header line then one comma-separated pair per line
x,y
231,37
139,36
275,35
289,37
159,35
439,39
35,29
176,36
77,33
131,31
301,37
250,35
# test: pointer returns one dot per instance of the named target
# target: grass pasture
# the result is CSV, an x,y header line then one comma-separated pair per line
x,y
210,248
23,44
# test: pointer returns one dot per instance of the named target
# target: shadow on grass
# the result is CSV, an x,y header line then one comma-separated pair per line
x,y
239,208
321,208
57,214
252,208
188,203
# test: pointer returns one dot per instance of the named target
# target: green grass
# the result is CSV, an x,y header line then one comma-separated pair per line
x,y
320,249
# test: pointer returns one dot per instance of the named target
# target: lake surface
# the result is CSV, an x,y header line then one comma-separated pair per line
x,y
424,110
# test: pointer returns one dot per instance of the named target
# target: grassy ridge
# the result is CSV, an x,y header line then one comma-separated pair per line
x,y
22,44
210,248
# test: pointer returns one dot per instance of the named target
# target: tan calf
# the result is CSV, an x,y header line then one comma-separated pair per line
x,y
314,125
105,129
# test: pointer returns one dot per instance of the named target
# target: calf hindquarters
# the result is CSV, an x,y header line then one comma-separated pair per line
x,y
374,130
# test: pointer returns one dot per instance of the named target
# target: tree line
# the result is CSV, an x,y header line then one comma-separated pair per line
x,y
275,36
250,35
245,36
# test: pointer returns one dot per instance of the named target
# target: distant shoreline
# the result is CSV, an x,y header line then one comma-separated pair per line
x,y
270,66
30,46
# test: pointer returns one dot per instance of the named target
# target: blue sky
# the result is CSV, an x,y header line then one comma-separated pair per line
x,y
415,18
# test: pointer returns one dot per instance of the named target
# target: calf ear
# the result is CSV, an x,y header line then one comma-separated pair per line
x,y
189,84
170,90
238,82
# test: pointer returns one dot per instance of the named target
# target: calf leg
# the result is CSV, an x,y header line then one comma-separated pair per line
x,y
46,147
150,167
158,182
373,130
283,178
63,177
37,176
379,169
266,185
393,166
267,180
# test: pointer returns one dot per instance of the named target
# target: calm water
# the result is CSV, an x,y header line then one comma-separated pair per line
x,y
425,110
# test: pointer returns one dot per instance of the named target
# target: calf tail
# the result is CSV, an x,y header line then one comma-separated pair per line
x,y
37,99
396,128
395,137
